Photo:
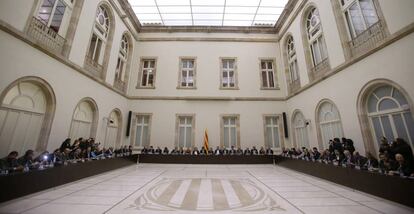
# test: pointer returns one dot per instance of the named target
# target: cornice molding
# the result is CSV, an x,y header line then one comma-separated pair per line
x,y
207,29
205,39
207,98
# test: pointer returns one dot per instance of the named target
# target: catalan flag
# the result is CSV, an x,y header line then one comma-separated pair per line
x,y
205,140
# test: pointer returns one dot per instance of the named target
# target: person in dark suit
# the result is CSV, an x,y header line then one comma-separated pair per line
x,y
232,151
218,151
316,154
405,168
225,151
158,151
269,151
165,151
65,144
262,151
239,151
400,146
254,151
27,158
10,162
195,151
247,151
386,164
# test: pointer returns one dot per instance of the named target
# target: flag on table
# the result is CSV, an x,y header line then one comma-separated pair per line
x,y
205,140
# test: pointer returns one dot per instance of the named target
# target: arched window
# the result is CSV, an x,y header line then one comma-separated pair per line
x,y
84,121
113,129
292,60
122,64
315,37
390,115
329,122
359,15
26,113
99,39
300,130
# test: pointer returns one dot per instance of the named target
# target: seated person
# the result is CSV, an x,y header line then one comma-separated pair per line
x,y
129,150
188,151
144,150
405,168
232,151
239,151
151,150
269,151
386,164
247,151
218,151
158,151
175,151
210,151
370,161
65,145
27,159
166,151
195,151
225,151
262,151
181,151
358,160
87,154
315,154
346,160
203,151
10,162
254,151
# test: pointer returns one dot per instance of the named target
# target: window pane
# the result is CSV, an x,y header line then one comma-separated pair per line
x,y
144,79
263,65
372,104
226,137
92,46
150,79
356,19
400,127
410,125
271,80
268,140
138,136
146,119
188,137
377,129
58,16
233,136
181,137
385,121
145,136
264,79
276,137
45,10
399,97
387,104
368,11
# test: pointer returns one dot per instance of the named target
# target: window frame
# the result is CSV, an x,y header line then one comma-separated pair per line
x,y
235,68
133,128
180,69
141,72
237,117
65,18
177,129
267,70
280,130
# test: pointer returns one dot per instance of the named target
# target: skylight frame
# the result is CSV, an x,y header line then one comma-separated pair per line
x,y
244,13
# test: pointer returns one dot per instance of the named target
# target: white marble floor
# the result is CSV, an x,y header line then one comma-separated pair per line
x,y
153,188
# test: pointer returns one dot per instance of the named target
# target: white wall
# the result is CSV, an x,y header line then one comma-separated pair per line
x,y
69,86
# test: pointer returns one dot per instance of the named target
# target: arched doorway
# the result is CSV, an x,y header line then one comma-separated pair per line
x,y
113,129
329,123
385,111
300,130
84,120
26,114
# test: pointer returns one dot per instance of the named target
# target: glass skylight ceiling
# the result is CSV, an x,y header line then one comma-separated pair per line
x,y
208,12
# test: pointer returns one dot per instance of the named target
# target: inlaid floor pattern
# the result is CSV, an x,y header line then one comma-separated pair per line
x,y
154,188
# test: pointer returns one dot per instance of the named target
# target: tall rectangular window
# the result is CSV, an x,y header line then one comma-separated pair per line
x,y
272,134
360,15
230,131
142,131
228,74
185,136
187,73
51,13
267,74
148,73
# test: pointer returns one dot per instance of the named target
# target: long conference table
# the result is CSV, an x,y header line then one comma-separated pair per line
x,y
389,187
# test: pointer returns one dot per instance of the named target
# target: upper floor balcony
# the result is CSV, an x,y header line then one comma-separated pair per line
x,y
45,36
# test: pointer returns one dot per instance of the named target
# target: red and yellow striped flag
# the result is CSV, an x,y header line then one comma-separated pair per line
x,y
205,140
